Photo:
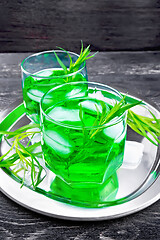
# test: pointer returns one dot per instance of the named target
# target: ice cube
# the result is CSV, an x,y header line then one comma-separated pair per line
x,y
91,106
77,91
96,94
45,73
63,114
114,131
103,96
59,141
35,95
133,154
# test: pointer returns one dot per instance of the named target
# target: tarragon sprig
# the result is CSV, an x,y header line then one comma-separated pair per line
x,y
24,158
143,125
74,66
117,110
140,124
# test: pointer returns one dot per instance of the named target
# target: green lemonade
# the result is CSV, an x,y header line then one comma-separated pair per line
x,y
34,88
81,157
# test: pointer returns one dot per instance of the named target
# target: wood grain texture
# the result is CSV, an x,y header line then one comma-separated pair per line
x,y
137,72
104,24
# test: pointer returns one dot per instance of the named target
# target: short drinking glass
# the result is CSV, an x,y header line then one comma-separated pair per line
x,y
41,72
81,149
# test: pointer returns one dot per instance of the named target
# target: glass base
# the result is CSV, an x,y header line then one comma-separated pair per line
x,y
89,195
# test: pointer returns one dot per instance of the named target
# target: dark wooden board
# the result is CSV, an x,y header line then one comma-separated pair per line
x,y
104,24
137,72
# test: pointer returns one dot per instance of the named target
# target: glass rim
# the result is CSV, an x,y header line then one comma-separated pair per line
x,y
114,121
50,51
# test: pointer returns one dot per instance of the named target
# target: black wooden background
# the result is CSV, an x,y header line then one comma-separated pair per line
x,y
107,25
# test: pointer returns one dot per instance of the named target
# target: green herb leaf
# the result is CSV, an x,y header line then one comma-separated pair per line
x,y
61,64
24,157
84,55
142,125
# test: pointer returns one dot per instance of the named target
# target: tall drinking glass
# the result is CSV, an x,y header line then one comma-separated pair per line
x,y
41,72
78,145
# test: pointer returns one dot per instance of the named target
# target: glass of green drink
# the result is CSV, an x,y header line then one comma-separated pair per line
x,y
78,145
42,71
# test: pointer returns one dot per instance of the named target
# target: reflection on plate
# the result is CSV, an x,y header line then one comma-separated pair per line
x,y
135,185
